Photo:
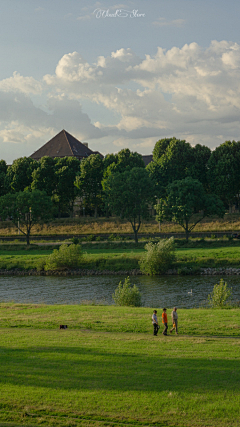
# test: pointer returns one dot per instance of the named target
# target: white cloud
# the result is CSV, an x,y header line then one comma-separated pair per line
x,y
18,83
189,92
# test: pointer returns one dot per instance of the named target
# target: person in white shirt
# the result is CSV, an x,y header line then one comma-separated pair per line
x,y
155,323
174,317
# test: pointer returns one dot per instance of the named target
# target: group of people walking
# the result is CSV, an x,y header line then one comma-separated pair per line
x,y
156,326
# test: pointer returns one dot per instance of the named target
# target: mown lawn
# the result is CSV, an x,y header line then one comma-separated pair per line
x,y
107,369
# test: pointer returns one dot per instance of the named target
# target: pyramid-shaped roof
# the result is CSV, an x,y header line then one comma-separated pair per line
x,y
62,145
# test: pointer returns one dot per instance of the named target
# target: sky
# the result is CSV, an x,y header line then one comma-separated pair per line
x,y
118,74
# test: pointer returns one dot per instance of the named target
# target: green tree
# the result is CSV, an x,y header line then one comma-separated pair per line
x,y
223,172
122,161
129,195
3,172
25,209
187,204
89,181
173,161
19,174
43,178
65,191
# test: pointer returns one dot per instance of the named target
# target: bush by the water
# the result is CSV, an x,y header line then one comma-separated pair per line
x,y
66,257
158,258
127,295
220,295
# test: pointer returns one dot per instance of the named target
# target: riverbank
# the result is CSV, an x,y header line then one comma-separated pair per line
x,y
113,371
217,257
135,272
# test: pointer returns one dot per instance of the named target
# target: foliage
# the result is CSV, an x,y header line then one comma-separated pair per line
x,y
43,178
185,198
3,172
25,209
127,295
223,171
89,181
65,191
174,160
220,295
158,258
19,174
129,195
75,240
66,257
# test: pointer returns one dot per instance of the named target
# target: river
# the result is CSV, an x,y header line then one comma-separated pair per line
x,y
156,291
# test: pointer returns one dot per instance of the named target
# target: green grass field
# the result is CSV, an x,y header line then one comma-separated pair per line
x,y
107,369
218,254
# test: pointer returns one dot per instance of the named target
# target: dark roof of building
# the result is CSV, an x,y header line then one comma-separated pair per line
x,y
61,145
147,159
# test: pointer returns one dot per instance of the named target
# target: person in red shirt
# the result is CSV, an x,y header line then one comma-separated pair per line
x,y
164,321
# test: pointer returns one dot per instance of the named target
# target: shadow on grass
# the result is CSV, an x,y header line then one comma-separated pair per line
x,y
75,368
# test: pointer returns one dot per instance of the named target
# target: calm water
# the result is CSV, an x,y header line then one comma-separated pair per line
x,y
156,291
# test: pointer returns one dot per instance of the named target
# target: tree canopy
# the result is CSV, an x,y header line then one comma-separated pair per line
x,y
26,208
129,195
187,204
89,181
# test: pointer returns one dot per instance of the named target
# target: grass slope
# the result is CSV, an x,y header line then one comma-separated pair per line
x,y
108,370
114,257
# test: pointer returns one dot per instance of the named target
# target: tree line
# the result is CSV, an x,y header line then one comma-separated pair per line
x,y
184,183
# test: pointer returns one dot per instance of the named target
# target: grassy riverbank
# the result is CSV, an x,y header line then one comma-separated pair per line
x,y
107,369
125,256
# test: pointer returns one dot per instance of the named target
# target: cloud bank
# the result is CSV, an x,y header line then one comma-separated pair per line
x,y
191,93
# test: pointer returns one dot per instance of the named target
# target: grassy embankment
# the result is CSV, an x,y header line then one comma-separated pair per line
x,y
125,256
107,369
87,225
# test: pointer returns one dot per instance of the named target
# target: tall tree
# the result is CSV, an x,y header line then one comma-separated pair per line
x,y
19,174
187,204
65,191
129,195
26,208
89,181
43,178
3,172
223,172
124,159
173,160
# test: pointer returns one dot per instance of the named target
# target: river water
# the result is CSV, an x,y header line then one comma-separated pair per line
x,y
156,291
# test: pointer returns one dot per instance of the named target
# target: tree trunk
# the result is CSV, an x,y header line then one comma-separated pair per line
x,y
136,236
187,231
95,212
28,239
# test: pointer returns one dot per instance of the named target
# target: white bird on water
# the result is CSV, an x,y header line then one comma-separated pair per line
x,y
190,292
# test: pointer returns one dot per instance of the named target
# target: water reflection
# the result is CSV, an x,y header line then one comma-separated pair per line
x,y
156,291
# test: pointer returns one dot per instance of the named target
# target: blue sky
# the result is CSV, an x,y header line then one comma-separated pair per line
x,y
118,81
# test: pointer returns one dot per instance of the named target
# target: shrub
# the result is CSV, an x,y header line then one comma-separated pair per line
x,y
158,258
127,295
220,295
75,240
90,238
66,257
